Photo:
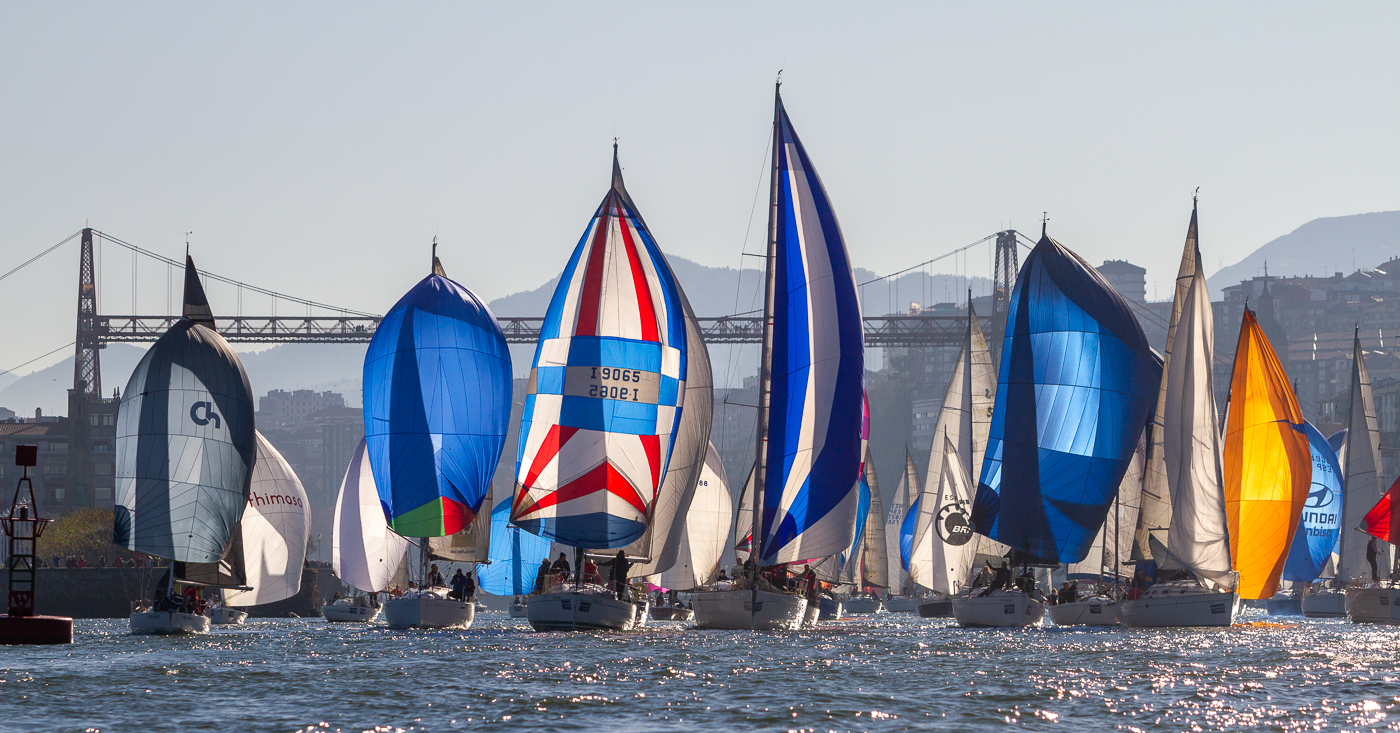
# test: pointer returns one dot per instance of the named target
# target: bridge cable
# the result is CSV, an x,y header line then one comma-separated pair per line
x,y
31,361
35,258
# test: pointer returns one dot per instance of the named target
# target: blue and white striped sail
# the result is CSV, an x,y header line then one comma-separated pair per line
x,y
817,359
1321,523
1077,380
437,391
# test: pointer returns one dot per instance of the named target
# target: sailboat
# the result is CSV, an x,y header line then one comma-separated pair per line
x,y
1183,495
437,392
1316,537
943,546
703,535
185,450
365,553
810,394
1075,382
1379,602
1361,488
904,598
275,527
868,568
1113,543
515,557
603,412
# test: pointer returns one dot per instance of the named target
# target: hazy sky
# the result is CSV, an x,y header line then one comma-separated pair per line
x,y
316,149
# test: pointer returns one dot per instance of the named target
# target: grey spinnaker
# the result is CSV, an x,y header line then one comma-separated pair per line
x,y
185,446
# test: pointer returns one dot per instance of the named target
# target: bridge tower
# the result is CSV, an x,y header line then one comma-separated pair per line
x,y
1003,283
87,369
87,387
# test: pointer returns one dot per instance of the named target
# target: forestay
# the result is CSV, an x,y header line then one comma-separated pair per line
x,y
184,442
816,367
275,528
364,552
1075,385
606,388
437,389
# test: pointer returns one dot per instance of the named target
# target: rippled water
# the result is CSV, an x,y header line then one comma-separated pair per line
x,y
883,673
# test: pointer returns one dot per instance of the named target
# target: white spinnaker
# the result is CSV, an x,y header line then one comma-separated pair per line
x,y
1119,525
276,525
471,545
743,521
942,559
364,552
874,559
1199,537
904,496
1362,487
705,531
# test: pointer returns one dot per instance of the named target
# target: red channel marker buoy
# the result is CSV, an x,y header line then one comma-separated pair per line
x,y
23,525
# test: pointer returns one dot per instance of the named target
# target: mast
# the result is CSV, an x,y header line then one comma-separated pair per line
x,y
765,363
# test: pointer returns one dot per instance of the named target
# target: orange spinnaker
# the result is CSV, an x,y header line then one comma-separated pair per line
x,y
1268,465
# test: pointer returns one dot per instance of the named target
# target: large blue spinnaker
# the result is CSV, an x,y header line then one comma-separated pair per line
x,y
1320,525
515,556
1076,383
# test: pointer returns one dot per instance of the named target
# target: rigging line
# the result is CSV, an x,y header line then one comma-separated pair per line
x,y
231,281
31,361
35,258
928,262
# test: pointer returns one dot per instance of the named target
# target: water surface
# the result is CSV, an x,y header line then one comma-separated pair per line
x,y
884,673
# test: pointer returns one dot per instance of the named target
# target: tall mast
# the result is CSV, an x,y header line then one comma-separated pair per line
x,y
765,364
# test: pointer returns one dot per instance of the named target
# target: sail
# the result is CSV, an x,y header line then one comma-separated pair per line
x,y
515,554
816,367
905,493
470,544
944,555
606,387
437,390
184,442
1316,538
1115,538
848,564
661,543
743,521
1361,483
1075,382
1155,511
1383,521
705,530
276,526
1267,463
1197,538
874,563
364,552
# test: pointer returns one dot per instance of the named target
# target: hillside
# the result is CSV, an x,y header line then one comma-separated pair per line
x,y
1320,247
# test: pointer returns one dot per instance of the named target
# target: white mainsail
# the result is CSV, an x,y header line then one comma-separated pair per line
x,y
705,529
1362,487
743,521
1198,538
905,495
364,552
942,559
873,561
276,525
471,545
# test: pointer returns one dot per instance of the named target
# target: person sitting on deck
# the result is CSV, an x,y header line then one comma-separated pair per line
x,y
722,576
1001,577
591,574
542,577
435,579
1052,599
1025,582
560,569
620,566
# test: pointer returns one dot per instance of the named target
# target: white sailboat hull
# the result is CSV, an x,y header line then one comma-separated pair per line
x,y
901,604
1179,604
428,612
1375,605
340,613
584,611
1330,603
862,605
810,615
169,622
736,609
999,609
225,616
1088,612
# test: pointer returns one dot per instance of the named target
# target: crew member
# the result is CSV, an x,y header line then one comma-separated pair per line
x,y
620,566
